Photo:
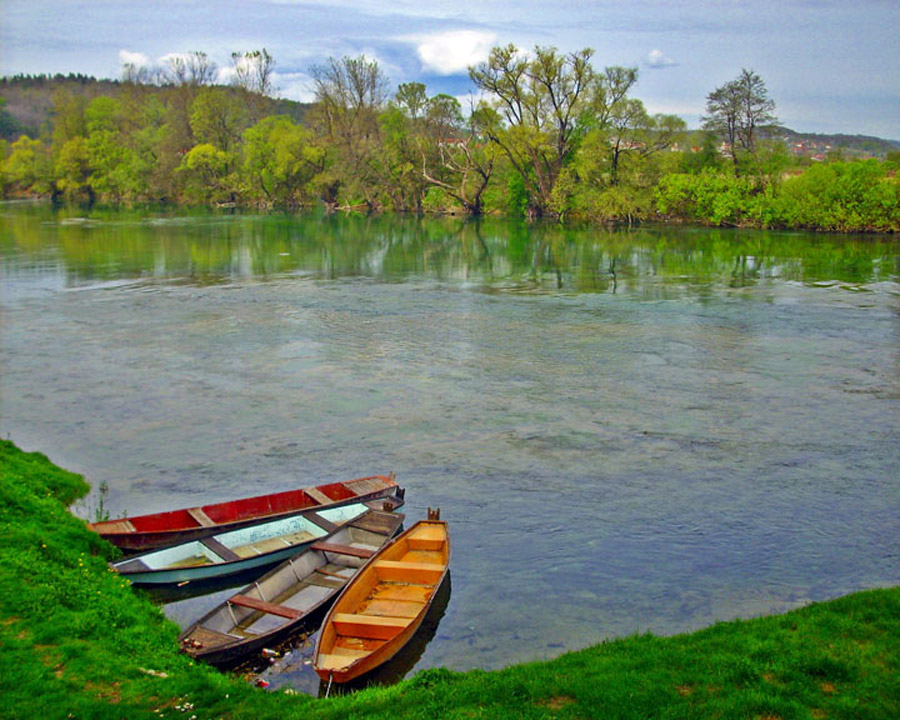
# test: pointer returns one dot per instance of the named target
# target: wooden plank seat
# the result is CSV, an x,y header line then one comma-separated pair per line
x,y
210,638
375,627
319,496
266,607
119,526
323,523
219,549
133,565
343,549
411,572
374,523
200,516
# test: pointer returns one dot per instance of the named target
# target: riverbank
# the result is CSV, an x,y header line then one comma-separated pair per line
x,y
77,642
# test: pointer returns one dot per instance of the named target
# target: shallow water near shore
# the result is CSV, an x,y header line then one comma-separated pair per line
x,y
628,431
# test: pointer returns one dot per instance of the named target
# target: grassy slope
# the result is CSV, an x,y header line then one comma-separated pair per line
x,y
75,641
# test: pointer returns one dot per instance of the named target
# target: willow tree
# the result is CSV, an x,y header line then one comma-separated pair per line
x,y
540,97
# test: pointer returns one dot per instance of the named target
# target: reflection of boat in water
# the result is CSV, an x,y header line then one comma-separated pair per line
x,y
398,667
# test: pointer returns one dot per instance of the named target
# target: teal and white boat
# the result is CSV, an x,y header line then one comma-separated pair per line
x,y
256,547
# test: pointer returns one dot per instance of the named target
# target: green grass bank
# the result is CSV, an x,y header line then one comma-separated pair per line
x,y
77,642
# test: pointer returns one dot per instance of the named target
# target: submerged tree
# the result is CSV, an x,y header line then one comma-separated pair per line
x,y
736,110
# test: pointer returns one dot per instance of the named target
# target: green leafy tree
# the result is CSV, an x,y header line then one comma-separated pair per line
x,y
217,118
279,161
29,167
73,169
541,99
205,170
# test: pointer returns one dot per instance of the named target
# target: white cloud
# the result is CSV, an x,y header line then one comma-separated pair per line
x,y
658,59
139,60
453,52
295,86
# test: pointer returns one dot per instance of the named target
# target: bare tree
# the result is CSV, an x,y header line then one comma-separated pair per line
x,y
736,110
253,71
193,69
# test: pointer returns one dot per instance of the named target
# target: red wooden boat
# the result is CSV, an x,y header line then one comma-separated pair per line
x,y
146,532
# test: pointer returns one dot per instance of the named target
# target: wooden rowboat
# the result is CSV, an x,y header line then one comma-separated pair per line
x,y
145,532
255,547
382,607
290,596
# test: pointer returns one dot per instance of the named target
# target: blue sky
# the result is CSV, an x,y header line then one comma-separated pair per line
x,y
830,65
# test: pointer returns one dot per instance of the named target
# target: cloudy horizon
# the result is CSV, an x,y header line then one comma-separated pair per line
x,y
830,66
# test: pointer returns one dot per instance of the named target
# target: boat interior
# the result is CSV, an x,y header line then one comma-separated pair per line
x,y
394,591
296,587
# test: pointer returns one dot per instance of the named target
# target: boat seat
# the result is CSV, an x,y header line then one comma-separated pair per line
x,y
411,572
226,553
266,607
115,526
319,496
333,662
375,627
201,517
359,552
322,522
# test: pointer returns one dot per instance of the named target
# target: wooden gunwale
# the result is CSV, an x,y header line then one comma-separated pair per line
x,y
156,530
224,648
384,604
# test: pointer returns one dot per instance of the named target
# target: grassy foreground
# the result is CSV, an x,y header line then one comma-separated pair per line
x,y
77,642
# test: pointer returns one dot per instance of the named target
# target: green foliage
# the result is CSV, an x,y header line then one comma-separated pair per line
x,y
555,138
29,167
279,161
709,196
842,196
205,170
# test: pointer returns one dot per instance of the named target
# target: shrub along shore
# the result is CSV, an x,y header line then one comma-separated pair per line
x,y
77,642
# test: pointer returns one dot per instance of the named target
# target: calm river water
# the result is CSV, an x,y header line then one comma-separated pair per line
x,y
645,430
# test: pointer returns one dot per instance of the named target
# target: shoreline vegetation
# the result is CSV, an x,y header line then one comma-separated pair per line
x,y
553,137
77,642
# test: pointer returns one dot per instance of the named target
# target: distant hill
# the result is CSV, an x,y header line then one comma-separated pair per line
x,y
27,100
819,145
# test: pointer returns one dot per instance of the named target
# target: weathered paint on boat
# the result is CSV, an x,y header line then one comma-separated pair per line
x,y
145,532
382,607
289,597
257,546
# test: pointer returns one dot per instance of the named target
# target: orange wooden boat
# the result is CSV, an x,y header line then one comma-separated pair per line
x,y
382,607
157,530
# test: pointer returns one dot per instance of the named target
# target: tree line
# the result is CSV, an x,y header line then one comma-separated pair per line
x,y
553,137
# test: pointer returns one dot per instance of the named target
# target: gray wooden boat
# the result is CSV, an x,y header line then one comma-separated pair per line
x,y
289,597
256,547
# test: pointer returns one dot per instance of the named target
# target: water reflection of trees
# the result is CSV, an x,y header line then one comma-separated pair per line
x,y
204,246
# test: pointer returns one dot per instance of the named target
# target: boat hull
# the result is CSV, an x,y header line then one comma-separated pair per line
x,y
158,530
306,583
236,551
383,607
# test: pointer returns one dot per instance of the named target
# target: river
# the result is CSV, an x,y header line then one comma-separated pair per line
x,y
634,430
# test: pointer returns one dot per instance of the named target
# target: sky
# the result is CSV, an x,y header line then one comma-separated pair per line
x,y
831,66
